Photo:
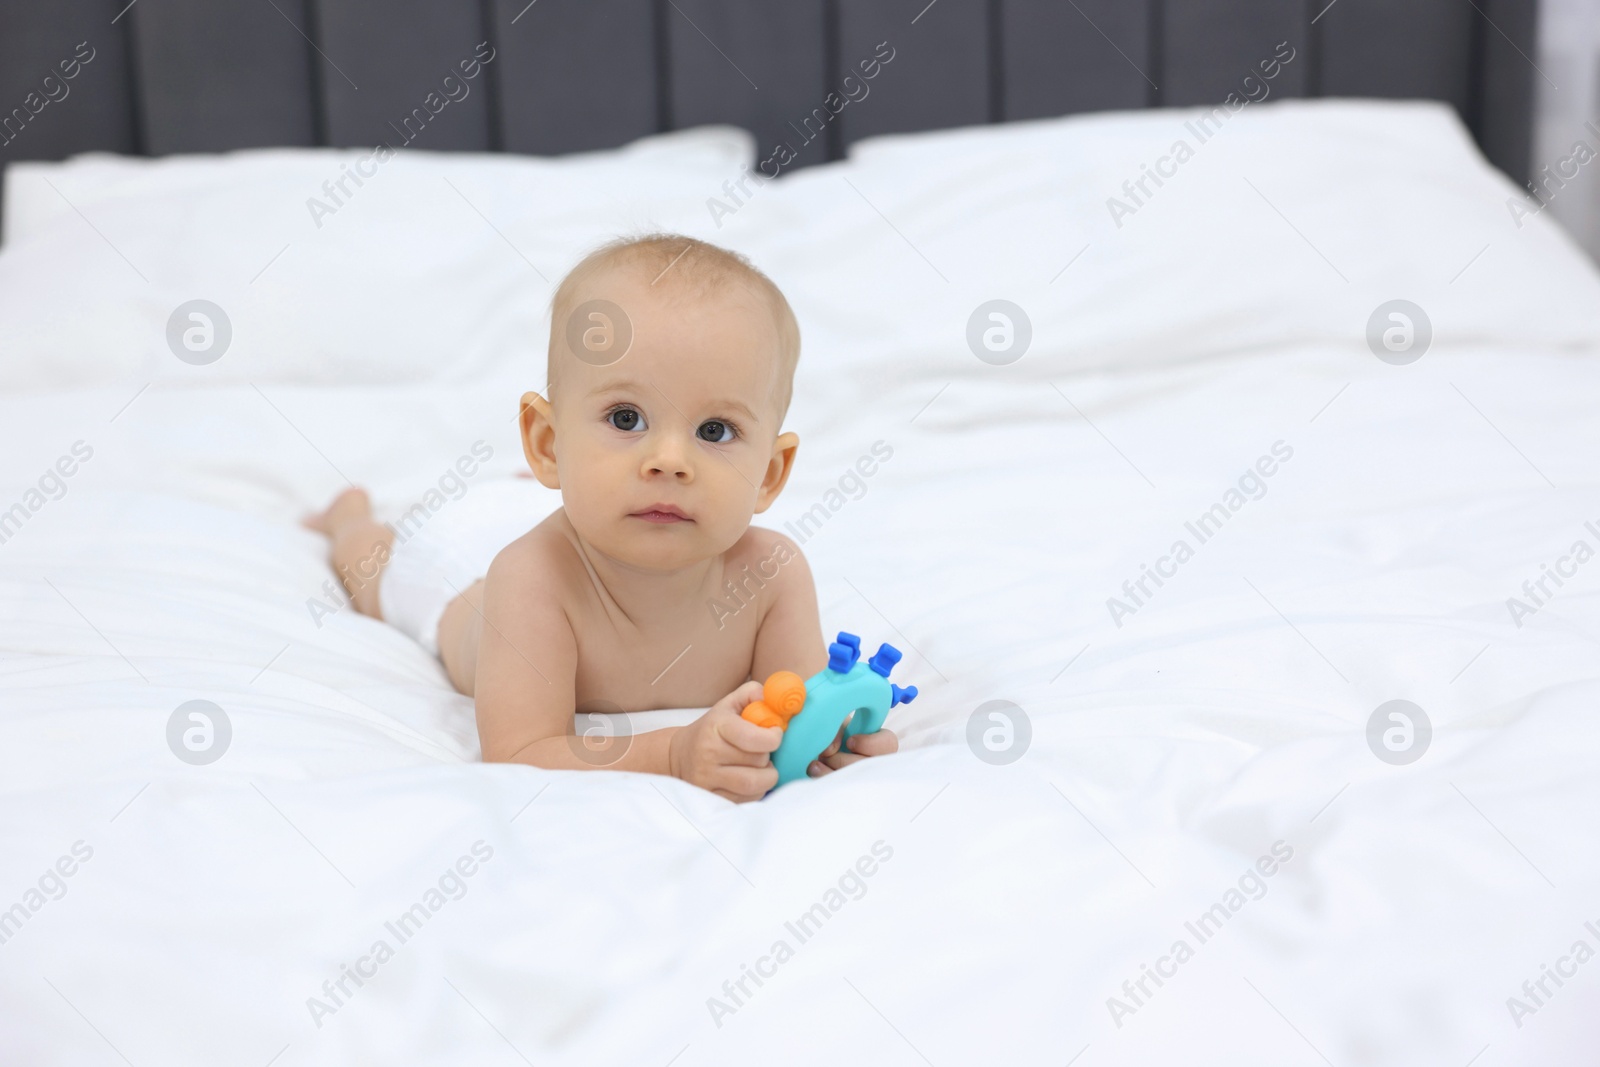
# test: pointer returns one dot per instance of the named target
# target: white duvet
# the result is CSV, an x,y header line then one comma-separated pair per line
x,y
1196,800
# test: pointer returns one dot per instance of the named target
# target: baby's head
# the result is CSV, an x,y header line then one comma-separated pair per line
x,y
671,364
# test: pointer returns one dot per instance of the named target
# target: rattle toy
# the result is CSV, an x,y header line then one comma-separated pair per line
x,y
810,712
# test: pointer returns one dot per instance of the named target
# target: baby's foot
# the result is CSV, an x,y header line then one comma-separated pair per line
x,y
352,505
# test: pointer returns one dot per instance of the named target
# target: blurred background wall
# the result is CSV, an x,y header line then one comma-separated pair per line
x,y
1569,97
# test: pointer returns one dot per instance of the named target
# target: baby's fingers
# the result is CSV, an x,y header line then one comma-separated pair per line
x,y
736,700
747,737
859,747
881,743
836,762
740,784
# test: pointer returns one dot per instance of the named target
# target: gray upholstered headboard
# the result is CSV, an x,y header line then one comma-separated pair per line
x,y
566,75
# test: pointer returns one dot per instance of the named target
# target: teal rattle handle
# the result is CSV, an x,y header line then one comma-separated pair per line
x,y
846,689
868,719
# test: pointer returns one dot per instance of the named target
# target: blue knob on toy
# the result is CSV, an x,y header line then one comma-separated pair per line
x,y
844,652
885,660
901,696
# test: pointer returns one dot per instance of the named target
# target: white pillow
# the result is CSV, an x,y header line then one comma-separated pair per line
x,y
429,269
1292,223
87,179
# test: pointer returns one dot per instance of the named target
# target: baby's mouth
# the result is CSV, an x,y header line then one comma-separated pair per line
x,y
661,513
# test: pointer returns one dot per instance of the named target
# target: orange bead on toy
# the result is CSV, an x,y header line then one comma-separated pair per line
x,y
782,697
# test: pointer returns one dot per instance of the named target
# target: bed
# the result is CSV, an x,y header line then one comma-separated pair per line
x,y
1136,819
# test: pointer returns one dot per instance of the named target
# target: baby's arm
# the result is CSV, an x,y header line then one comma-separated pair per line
x,y
790,639
524,684
527,662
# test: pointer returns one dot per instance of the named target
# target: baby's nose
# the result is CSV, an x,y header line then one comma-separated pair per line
x,y
671,458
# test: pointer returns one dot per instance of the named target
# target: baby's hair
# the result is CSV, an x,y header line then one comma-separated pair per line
x,y
702,267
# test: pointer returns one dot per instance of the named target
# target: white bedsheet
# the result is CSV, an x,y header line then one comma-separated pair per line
x,y
1225,716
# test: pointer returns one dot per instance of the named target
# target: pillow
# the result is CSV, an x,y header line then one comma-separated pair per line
x,y
431,266
1290,223
90,178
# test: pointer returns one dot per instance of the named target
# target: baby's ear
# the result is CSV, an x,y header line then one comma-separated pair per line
x,y
539,439
778,468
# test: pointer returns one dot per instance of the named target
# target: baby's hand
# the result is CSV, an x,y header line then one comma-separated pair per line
x,y
726,754
860,747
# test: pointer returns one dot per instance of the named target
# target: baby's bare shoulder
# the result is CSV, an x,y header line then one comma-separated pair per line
x,y
772,556
764,541
541,559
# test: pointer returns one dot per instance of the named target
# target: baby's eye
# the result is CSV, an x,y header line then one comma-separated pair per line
x,y
717,432
625,418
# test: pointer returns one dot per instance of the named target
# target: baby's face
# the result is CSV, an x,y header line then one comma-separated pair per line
x,y
663,456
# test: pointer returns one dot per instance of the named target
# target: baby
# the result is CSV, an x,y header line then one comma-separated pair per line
x,y
671,363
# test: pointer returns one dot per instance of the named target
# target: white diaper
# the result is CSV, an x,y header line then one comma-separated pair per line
x,y
438,554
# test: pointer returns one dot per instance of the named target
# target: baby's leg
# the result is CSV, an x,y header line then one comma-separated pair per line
x,y
361,550
361,546
460,629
